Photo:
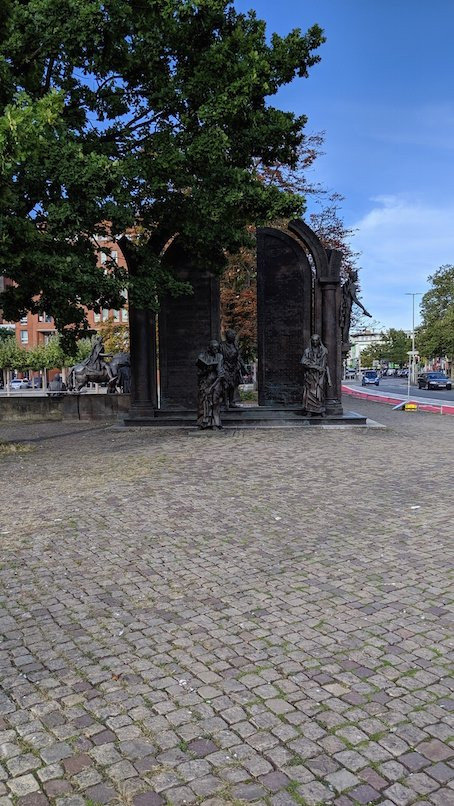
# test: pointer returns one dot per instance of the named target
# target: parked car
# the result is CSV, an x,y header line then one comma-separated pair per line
x,y
370,376
350,374
434,380
35,383
19,383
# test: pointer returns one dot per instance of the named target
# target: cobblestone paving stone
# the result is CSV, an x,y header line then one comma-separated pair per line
x,y
258,617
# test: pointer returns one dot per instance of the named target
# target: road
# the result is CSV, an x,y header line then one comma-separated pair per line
x,y
398,386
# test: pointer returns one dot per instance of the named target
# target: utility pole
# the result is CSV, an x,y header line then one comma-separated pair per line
x,y
411,371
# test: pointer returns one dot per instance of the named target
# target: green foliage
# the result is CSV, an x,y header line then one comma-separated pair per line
x,y
43,356
398,345
393,348
5,334
435,337
249,394
374,352
12,356
115,336
154,113
83,350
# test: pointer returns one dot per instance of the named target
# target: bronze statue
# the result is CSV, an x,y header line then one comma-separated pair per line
x,y
94,369
120,369
56,387
234,368
124,374
211,386
349,296
316,376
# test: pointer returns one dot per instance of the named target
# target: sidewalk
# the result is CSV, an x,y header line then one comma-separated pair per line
x,y
434,405
262,617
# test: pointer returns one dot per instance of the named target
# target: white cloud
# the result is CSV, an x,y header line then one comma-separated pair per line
x,y
402,242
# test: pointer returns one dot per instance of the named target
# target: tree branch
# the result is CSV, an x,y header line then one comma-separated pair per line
x,y
48,77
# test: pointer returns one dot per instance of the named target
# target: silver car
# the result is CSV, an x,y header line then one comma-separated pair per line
x,y
19,383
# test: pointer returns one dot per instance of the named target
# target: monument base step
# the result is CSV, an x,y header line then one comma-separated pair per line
x,y
247,417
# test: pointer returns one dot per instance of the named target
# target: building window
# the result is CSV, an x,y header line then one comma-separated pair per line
x,y
103,258
124,315
23,320
97,317
116,316
105,314
24,336
114,254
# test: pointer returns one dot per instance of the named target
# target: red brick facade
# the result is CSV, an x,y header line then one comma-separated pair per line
x,y
36,329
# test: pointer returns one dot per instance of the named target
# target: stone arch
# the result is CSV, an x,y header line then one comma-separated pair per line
x,y
284,315
187,323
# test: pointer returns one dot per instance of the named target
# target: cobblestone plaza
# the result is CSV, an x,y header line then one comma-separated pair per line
x,y
247,617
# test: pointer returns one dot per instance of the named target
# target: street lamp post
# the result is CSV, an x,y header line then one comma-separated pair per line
x,y
411,372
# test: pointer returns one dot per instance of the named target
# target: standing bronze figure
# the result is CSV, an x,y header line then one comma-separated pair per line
x,y
234,368
211,386
349,296
316,376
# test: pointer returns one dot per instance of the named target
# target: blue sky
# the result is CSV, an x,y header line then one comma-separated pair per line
x,y
383,94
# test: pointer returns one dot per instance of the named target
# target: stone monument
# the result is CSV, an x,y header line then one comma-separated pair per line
x,y
300,305
298,294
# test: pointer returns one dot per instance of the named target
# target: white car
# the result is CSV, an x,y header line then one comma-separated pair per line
x,y
19,383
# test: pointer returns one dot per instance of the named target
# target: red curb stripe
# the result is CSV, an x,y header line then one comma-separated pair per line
x,y
429,407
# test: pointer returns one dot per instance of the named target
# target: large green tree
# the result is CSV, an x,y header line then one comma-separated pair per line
x,y
435,337
150,114
393,347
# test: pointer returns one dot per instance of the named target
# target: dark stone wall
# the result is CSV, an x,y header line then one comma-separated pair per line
x,y
27,408
186,324
284,316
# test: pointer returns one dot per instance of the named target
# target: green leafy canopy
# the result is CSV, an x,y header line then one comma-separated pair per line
x,y
150,114
435,337
393,347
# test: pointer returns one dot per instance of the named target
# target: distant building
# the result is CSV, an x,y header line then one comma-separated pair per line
x,y
359,341
34,329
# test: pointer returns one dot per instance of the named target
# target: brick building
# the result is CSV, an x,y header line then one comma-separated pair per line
x,y
34,329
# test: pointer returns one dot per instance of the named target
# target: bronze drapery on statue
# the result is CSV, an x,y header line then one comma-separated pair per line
x,y
316,376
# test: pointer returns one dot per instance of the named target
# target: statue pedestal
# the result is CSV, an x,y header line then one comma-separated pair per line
x,y
249,417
